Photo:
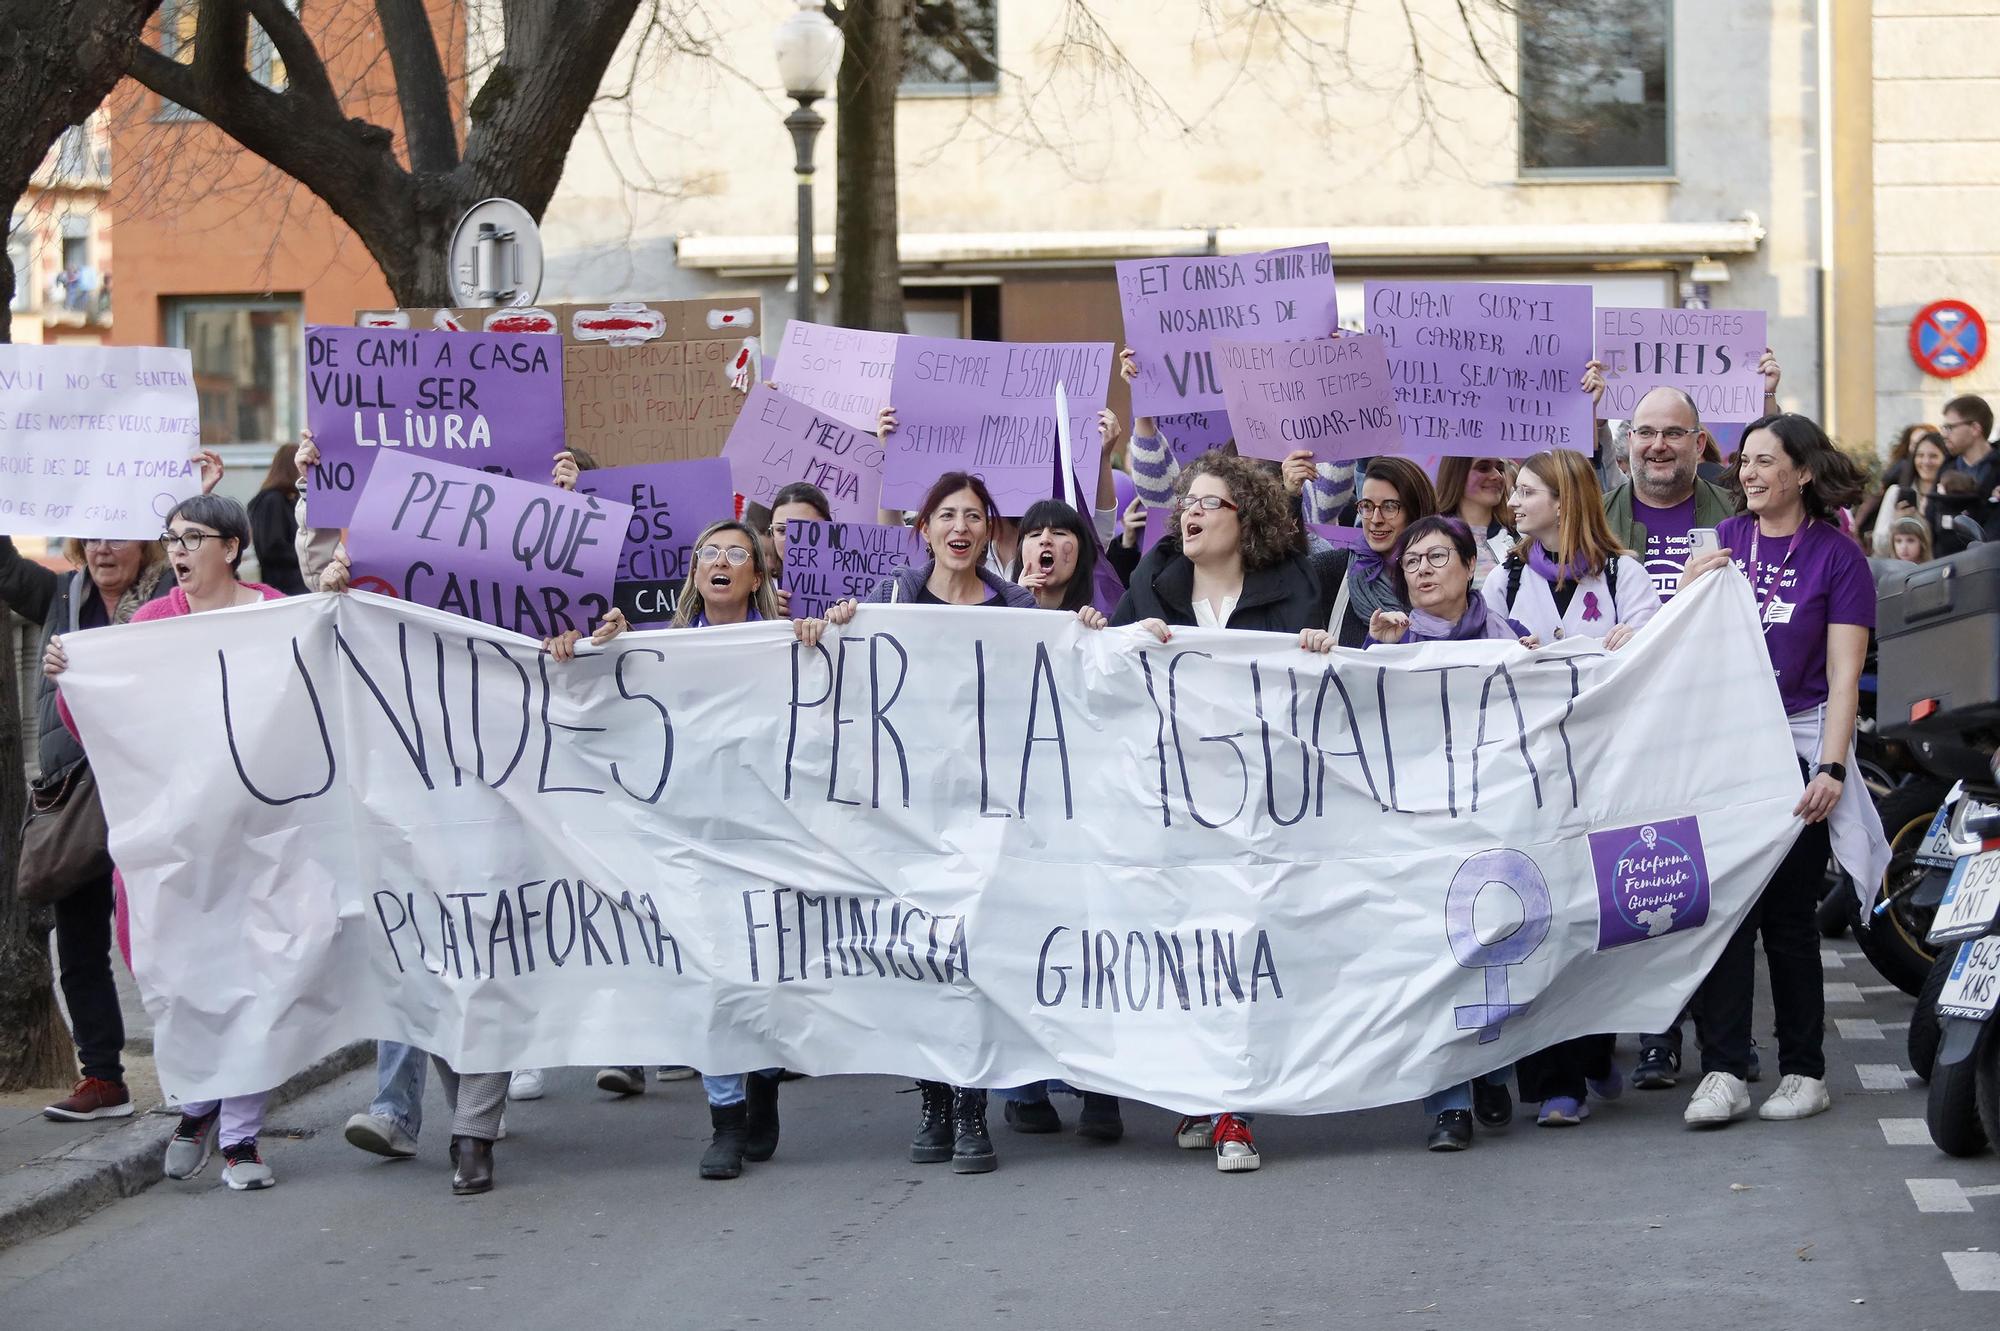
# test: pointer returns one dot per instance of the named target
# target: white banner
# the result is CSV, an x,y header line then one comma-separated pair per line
x,y
981,846
95,441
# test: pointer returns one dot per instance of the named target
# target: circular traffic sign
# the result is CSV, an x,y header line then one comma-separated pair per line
x,y
1947,339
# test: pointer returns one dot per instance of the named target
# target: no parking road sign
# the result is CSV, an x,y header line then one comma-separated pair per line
x,y
1947,338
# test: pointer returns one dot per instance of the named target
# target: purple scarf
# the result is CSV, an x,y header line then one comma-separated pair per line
x,y
1479,621
1538,560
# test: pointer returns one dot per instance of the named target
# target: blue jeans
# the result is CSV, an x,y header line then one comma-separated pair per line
x,y
1460,1096
399,1085
729,1090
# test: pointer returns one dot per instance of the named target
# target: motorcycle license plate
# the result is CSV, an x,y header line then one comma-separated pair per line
x,y
1936,852
1971,901
1973,988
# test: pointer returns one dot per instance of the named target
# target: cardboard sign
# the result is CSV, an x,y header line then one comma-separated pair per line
x,y
490,402
778,440
529,558
1330,395
1486,369
1192,433
1711,355
95,441
671,504
989,408
826,562
1175,307
842,372
643,381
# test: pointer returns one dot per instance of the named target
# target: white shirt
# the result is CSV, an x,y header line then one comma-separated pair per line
x,y
1205,616
1592,611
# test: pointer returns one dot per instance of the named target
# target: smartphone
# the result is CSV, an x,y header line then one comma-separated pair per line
x,y
1703,538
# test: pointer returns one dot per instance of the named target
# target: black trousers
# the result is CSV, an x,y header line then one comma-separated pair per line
x,y
1787,916
1561,1069
83,951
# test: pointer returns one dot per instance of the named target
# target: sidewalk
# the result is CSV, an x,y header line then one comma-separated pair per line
x,y
54,1174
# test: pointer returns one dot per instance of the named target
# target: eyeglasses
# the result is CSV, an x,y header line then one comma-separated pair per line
x,y
1207,503
105,543
735,554
189,540
1673,434
1388,508
1953,425
1435,557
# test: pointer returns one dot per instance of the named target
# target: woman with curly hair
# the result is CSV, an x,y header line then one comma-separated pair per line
x,y
1237,559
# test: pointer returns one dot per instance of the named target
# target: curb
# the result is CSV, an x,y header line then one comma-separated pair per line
x,y
59,1190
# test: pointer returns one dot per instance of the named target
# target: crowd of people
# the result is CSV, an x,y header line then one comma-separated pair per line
x,y
1529,549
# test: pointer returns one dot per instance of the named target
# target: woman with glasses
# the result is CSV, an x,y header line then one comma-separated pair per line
x,y
1474,490
206,539
1237,559
1394,493
1572,579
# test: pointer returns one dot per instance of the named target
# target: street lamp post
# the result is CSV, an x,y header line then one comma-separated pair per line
x,y
808,46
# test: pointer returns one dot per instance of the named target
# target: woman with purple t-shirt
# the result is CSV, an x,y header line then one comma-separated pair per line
x,y
1816,601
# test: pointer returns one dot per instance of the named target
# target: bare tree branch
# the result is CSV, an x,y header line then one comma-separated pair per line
x,y
420,85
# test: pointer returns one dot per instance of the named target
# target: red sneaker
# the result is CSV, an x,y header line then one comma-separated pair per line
x,y
93,1097
1235,1150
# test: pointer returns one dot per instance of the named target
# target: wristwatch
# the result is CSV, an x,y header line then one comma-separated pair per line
x,y
1838,771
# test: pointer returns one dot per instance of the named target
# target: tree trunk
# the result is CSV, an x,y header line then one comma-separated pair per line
x,y
867,267
62,59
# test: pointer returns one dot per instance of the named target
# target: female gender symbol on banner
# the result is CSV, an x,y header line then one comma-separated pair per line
x,y
1505,871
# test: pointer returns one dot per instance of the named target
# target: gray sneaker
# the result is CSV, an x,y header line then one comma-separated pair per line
x,y
246,1170
380,1136
193,1141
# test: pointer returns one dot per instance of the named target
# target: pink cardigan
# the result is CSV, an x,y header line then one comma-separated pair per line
x,y
170,606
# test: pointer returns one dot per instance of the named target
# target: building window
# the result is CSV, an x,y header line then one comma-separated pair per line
x,y
1596,87
950,47
247,358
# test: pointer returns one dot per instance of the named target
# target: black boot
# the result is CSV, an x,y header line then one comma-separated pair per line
x,y
971,1148
724,1156
933,1143
760,1129
1100,1120
1452,1132
472,1166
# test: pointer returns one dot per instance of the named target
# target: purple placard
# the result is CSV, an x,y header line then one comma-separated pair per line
x,y
489,401
1191,433
778,440
826,562
1175,307
513,554
1330,395
1341,538
844,372
1711,355
670,503
1486,369
1652,880
989,408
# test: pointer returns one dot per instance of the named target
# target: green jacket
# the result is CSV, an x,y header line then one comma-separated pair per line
x,y
1712,504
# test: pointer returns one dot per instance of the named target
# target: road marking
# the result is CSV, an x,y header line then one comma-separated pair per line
x,y
1877,989
1831,960
1974,1271
1884,1077
1858,1028
1843,991
1935,1196
1905,1131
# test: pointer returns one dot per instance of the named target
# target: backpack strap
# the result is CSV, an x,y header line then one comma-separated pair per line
x,y
1611,581
1515,567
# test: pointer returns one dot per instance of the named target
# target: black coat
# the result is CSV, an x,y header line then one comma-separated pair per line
x,y
1295,594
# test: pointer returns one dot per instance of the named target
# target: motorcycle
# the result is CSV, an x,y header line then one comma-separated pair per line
x,y
1962,1110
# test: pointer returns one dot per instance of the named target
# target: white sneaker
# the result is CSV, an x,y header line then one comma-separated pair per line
x,y
525,1085
1720,1099
676,1072
1194,1133
380,1136
1796,1097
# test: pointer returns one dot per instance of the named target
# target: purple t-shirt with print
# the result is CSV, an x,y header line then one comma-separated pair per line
x,y
1666,549
1803,582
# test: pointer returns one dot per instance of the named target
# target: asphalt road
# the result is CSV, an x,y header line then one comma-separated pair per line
x,y
599,1219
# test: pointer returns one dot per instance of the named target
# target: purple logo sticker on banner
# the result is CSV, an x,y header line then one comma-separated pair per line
x,y
1330,395
778,440
670,504
844,372
530,558
1486,369
1711,355
1174,307
489,401
990,408
1651,881
827,562
1192,433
